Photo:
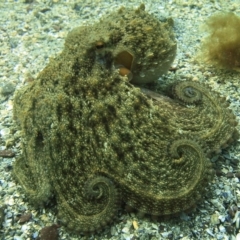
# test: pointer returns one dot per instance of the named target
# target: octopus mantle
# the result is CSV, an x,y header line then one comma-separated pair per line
x,y
92,139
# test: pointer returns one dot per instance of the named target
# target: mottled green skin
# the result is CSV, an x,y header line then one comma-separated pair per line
x,y
90,138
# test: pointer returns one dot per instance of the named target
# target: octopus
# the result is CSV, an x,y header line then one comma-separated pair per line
x,y
93,137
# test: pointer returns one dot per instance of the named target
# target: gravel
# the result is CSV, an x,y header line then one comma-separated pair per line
x,y
33,31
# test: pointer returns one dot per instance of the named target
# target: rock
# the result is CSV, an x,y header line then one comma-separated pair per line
x,y
49,233
237,174
229,175
135,225
7,88
215,219
5,132
7,153
238,236
25,218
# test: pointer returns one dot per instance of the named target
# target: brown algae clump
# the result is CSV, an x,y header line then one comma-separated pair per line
x,y
222,47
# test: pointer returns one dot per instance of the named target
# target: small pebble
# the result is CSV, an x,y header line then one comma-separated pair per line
x,y
219,173
49,233
165,234
222,229
17,238
4,132
25,227
209,231
135,225
222,218
35,235
238,236
232,210
238,223
237,174
25,218
125,230
229,175
236,216
7,153
7,88
215,219
217,204
9,215
229,229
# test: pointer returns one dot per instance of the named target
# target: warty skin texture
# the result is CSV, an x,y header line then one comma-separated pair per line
x,y
92,139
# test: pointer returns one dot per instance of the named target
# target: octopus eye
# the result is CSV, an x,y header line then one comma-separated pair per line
x,y
99,45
